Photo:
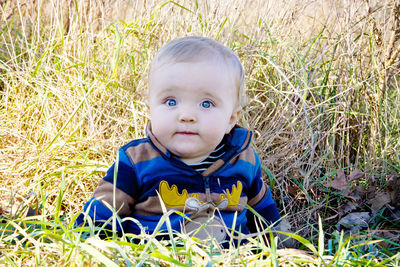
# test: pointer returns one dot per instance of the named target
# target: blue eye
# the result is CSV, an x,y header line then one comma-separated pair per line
x,y
206,104
171,102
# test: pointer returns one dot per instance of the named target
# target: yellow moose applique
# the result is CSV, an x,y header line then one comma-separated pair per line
x,y
172,197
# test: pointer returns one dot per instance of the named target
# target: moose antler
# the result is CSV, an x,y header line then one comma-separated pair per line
x,y
234,197
171,195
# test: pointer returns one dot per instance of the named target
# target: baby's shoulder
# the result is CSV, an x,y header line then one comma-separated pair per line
x,y
135,143
140,150
249,155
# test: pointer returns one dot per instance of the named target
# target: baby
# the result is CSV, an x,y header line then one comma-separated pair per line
x,y
195,159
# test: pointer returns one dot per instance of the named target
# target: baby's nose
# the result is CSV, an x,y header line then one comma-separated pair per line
x,y
187,115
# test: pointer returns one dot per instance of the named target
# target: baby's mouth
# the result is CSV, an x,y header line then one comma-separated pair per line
x,y
186,133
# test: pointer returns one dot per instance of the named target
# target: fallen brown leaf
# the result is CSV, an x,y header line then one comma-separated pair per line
x,y
361,191
340,183
354,196
355,175
292,189
379,201
347,208
393,188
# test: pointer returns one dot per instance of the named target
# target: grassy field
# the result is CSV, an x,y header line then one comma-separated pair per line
x,y
324,102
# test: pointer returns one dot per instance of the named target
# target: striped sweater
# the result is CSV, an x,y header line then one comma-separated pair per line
x,y
146,173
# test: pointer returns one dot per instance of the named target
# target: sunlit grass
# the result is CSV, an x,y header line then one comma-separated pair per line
x,y
37,240
73,90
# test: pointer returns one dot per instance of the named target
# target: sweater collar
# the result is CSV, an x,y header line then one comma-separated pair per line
x,y
155,141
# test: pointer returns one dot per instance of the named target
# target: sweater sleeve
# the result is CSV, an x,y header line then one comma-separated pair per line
x,y
260,199
116,191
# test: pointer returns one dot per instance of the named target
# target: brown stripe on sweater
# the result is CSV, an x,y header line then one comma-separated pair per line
x,y
214,167
245,143
152,207
142,152
123,202
246,155
255,200
233,161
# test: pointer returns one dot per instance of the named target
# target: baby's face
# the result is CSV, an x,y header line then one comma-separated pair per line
x,y
192,107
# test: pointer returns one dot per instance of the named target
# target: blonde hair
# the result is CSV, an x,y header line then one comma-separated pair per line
x,y
197,49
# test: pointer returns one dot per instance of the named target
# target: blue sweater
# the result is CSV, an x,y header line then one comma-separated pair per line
x,y
146,172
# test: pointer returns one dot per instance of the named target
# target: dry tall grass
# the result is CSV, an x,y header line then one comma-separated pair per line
x,y
322,78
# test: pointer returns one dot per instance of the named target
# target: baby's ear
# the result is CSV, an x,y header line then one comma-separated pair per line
x,y
233,119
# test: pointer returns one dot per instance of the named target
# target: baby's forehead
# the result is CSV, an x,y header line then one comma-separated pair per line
x,y
196,78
